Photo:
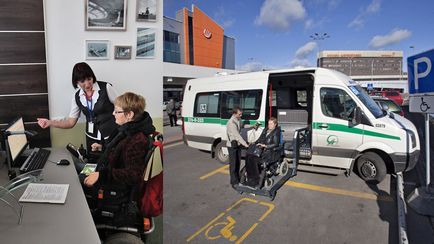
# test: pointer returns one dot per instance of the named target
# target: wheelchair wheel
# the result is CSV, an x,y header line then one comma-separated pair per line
x,y
268,182
123,238
283,168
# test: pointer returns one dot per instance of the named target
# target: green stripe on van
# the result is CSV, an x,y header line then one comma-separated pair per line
x,y
209,120
344,128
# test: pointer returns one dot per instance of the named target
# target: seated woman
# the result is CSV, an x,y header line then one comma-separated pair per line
x,y
269,140
123,161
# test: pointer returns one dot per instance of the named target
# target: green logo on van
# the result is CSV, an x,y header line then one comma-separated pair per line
x,y
332,140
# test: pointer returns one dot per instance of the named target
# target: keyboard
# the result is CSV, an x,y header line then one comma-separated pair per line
x,y
36,160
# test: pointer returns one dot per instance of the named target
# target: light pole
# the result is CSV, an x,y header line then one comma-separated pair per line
x,y
412,49
319,37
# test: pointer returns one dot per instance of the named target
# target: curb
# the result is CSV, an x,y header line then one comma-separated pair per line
x,y
402,209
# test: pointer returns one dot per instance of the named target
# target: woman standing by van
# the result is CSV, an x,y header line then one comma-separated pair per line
x,y
95,100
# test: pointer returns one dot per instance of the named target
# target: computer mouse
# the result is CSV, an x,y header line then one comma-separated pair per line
x,y
63,162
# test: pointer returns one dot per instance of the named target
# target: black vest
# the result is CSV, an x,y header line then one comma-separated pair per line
x,y
102,113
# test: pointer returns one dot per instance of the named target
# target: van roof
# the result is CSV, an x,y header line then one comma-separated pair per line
x,y
320,73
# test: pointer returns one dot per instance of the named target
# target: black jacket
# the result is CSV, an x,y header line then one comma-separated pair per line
x,y
272,141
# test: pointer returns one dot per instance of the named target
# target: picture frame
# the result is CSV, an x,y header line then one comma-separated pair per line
x,y
123,52
146,10
97,49
145,46
108,15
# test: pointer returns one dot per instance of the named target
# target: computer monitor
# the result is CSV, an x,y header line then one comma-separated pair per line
x,y
16,143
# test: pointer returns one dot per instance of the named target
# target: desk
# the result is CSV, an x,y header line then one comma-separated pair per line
x,y
51,223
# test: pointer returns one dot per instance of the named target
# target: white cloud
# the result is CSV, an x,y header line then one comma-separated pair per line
x,y
393,37
280,14
305,50
222,18
311,24
359,21
251,66
374,6
300,63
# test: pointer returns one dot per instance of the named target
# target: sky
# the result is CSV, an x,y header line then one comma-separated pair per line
x,y
273,34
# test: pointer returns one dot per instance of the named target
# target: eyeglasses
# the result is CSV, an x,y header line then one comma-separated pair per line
x,y
119,112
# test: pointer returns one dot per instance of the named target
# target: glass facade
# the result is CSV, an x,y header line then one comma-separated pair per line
x,y
172,52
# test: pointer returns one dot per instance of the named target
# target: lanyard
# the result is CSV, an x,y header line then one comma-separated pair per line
x,y
89,108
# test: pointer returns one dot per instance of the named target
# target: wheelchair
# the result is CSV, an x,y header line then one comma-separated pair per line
x,y
273,172
116,209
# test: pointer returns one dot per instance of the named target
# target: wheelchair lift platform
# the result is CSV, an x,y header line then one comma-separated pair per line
x,y
270,191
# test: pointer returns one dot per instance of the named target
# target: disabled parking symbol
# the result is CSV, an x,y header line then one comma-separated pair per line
x,y
230,226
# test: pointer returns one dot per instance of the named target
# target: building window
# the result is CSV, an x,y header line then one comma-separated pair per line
x,y
171,47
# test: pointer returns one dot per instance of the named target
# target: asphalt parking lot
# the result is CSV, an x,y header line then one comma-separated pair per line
x,y
200,207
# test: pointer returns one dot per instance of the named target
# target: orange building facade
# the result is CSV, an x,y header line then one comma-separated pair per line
x,y
203,40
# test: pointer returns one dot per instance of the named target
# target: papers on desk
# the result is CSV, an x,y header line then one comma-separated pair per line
x,y
45,193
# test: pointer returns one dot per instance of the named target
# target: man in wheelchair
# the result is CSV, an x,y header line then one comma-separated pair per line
x,y
113,189
263,155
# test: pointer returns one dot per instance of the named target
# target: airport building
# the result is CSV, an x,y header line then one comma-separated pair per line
x,y
377,70
194,46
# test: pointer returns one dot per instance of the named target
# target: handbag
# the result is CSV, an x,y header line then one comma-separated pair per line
x,y
151,203
255,150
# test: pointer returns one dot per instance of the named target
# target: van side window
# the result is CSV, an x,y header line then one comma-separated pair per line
x,y
207,105
336,103
248,100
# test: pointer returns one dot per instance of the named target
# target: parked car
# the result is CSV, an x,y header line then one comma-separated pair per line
x,y
391,105
394,95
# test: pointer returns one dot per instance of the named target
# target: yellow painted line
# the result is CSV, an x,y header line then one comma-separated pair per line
x,y
270,208
247,233
223,170
203,228
242,200
173,145
337,191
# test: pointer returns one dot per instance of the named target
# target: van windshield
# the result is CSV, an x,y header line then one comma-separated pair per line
x,y
367,100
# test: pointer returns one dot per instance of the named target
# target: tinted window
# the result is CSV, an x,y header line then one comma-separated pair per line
x,y
367,100
207,105
248,100
336,103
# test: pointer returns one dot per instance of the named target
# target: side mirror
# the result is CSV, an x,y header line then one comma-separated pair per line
x,y
385,109
357,116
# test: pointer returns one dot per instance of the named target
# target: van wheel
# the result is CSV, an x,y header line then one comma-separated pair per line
x,y
371,167
220,155
123,238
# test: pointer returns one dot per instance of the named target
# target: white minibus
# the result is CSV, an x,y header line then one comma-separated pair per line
x,y
346,128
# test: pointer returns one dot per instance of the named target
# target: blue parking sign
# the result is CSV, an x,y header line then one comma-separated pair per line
x,y
420,73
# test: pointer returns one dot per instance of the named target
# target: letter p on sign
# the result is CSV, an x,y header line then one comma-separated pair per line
x,y
418,75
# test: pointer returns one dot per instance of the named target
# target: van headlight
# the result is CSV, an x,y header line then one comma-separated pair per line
x,y
413,139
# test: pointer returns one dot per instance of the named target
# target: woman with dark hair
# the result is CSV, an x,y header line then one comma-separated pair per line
x,y
95,100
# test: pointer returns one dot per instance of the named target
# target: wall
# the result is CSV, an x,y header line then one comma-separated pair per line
x,y
23,74
65,44
207,52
